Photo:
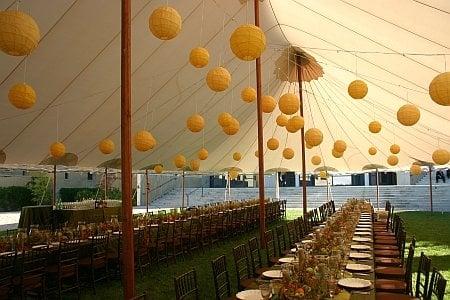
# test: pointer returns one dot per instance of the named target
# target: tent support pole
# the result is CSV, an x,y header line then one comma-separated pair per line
x,y
182,189
431,188
302,134
147,189
125,130
54,186
378,190
106,183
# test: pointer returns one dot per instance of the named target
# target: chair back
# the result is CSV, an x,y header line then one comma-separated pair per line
x,y
68,259
270,245
7,264
221,277
281,239
255,254
186,286
32,267
140,297
423,276
292,235
99,250
437,286
241,263
408,273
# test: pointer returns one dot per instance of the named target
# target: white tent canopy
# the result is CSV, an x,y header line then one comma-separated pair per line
x,y
396,47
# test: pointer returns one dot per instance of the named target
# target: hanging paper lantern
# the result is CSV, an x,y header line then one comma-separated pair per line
x,y
165,23
195,165
158,169
256,153
199,57
203,154
392,160
195,123
313,136
323,175
273,144
294,124
248,94
374,127
308,146
357,89
440,89
372,150
224,119
340,146
408,115
232,128
395,149
316,160
288,153
233,174
218,79
106,146
179,161
144,141
268,104
441,156
237,156
282,120
19,33
22,96
415,169
248,42
289,104
336,153
57,150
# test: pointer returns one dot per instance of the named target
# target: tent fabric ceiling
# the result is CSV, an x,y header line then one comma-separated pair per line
x,y
76,74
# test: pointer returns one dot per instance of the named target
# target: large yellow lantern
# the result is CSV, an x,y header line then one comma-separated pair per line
x,y
288,153
195,123
340,146
218,79
440,89
268,104
392,160
408,115
158,169
237,156
179,161
395,149
144,141
441,156
199,57
273,144
202,154
294,124
233,174
248,42
224,119
357,89
248,94
289,104
195,165
313,136
372,150
165,23
336,153
22,96
106,146
57,149
282,120
316,160
19,33
232,128
415,169
374,127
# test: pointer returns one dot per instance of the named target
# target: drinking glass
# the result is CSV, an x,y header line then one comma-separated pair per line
x,y
265,290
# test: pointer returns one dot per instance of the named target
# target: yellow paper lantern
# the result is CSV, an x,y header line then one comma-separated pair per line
x,y
340,146
282,120
233,174
357,89
144,141
273,144
288,153
248,94
202,154
256,153
415,169
313,136
392,160
232,128
374,127
158,169
336,153
199,57
316,160
439,89
294,124
165,23
19,33
323,175
106,146
195,165
248,42
395,149
268,104
179,161
237,156
408,115
441,156
308,146
372,150
22,96
224,119
289,104
218,79
57,150
195,123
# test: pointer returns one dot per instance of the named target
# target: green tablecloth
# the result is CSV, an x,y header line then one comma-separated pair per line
x,y
30,215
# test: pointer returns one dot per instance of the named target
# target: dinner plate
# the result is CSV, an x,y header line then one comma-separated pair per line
x,y
360,247
358,268
274,274
354,283
293,250
286,260
6,253
365,223
363,233
39,247
359,255
362,239
249,295
363,226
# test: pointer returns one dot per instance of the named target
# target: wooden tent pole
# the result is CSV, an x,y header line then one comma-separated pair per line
x,y
147,189
431,188
378,191
262,203
302,134
182,189
125,129
106,183
54,186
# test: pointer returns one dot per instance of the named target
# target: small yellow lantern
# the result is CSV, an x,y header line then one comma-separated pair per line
x,y
256,153
282,120
218,79
195,123
106,146
268,104
294,124
233,174
232,128
323,175
415,170
224,119
57,150
392,160
179,161
273,144
165,23
289,104
395,149
144,141
316,160
248,42
440,89
288,153
237,156
313,136
357,89
408,115
195,165
340,146
158,169
248,94
202,154
199,57
22,96
372,150
441,156
19,33
336,153
374,127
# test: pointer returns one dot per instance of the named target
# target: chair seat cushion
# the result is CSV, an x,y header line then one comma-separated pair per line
x,y
385,242
387,253
383,232
388,261
385,247
390,272
389,285
393,296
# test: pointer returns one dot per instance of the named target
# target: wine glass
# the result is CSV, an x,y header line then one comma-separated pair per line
x,y
265,290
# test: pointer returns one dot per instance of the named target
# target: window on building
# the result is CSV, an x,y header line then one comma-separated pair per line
x,y
90,176
66,175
